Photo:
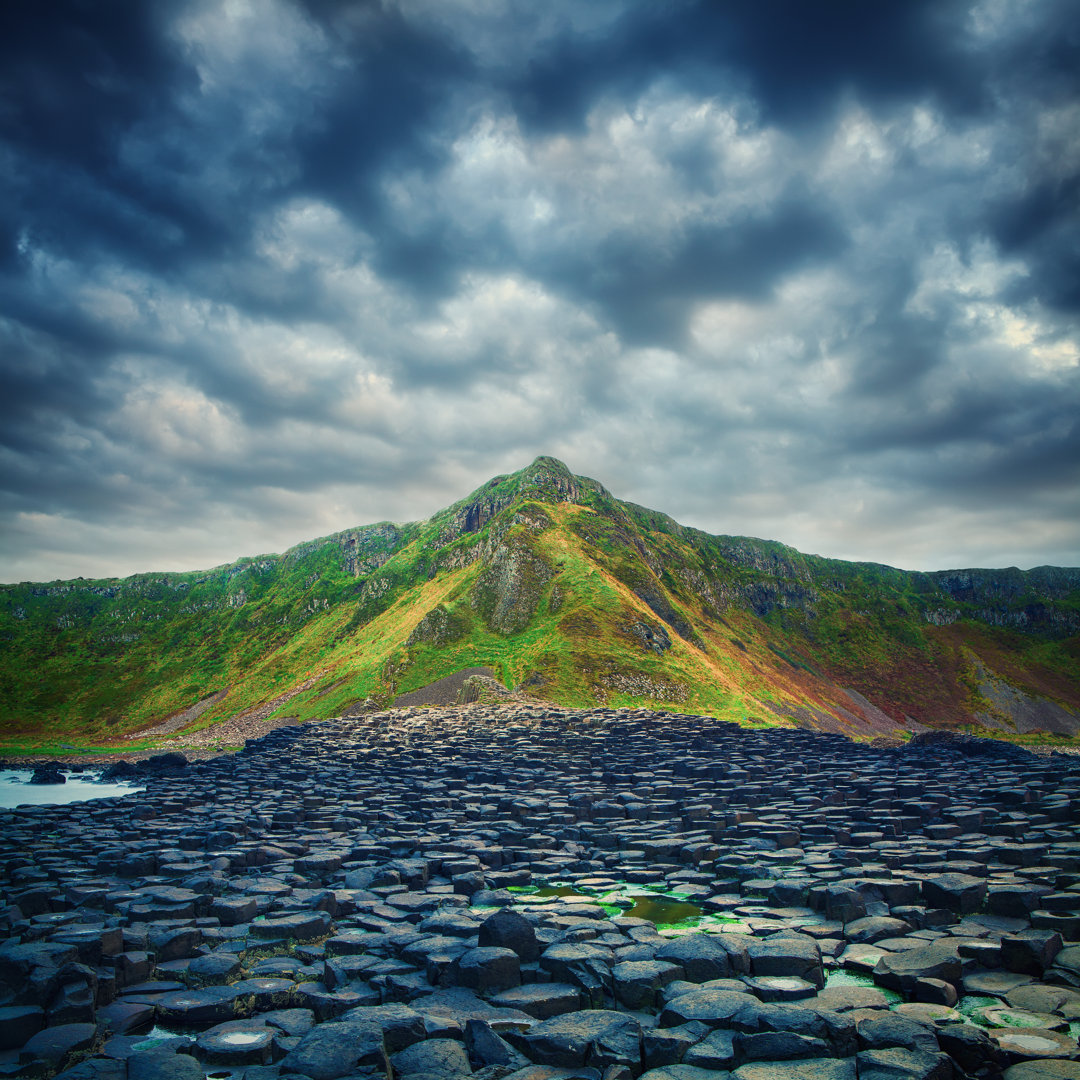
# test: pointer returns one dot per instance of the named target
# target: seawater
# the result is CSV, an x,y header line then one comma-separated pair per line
x,y
672,912
16,790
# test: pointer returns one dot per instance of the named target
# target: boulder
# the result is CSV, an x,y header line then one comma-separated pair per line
x,y
707,956
901,970
432,1057
333,1050
596,1038
510,930
958,893
638,983
787,954
903,1065
488,969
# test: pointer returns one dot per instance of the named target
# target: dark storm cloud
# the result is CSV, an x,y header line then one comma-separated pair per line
x,y
1043,226
76,77
794,59
319,262
647,293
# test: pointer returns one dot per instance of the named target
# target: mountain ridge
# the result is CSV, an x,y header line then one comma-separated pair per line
x,y
570,594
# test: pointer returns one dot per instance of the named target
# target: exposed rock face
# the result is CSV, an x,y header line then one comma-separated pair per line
x,y
651,637
48,773
508,591
439,627
1013,709
1023,600
366,549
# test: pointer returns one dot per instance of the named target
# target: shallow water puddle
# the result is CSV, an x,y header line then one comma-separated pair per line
x,y
672,912
1021,1018
661,910
241,1038
843,977
1033,1044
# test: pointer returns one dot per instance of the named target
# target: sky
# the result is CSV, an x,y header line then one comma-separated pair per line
x,y
270,269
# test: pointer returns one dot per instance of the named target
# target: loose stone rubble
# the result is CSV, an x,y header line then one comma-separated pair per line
x,y
449,893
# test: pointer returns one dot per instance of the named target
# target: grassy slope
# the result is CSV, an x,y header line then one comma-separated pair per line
x,y
750,622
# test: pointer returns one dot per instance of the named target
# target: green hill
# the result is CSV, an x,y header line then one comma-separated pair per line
x,y
567,594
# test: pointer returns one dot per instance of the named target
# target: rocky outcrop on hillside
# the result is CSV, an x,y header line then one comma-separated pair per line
x,y
365,550
1026,600
508,590
438,627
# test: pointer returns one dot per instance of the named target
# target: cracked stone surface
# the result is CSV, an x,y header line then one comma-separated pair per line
x,y
445,894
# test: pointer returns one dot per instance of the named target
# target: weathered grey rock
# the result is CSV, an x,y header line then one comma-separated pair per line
x,y
401,1026
53,1045
1037,997
780,988
708,956
678,1072
873,928
713,1007
1030,952
243,1043
901,970
485,1048
301,926
541,1000
959,893
19,1023
903,1065
432,1057
880,1033
1043,1070
969,1046
668,1046
1021,1044
715,1051
203,1007
510,930
334,1050
596,1038
488,970
638,984
787,955
778,1046
337,847
234,910
163,1066
47,773
836,1030
95,1069
824,1069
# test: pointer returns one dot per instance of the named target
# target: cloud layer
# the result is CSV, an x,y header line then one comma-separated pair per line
x,y
271,269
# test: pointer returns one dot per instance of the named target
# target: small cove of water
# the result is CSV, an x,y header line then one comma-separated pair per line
x,y
662,910
16,790
672,912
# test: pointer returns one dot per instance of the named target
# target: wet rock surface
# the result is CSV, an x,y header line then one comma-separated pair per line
x,y
538,893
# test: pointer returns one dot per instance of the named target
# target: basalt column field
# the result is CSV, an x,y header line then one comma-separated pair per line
x,y
543,893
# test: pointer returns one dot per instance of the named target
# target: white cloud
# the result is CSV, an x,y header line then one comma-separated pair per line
x,y
374,344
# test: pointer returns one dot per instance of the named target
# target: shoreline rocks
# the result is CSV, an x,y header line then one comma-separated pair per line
x,y
363,897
